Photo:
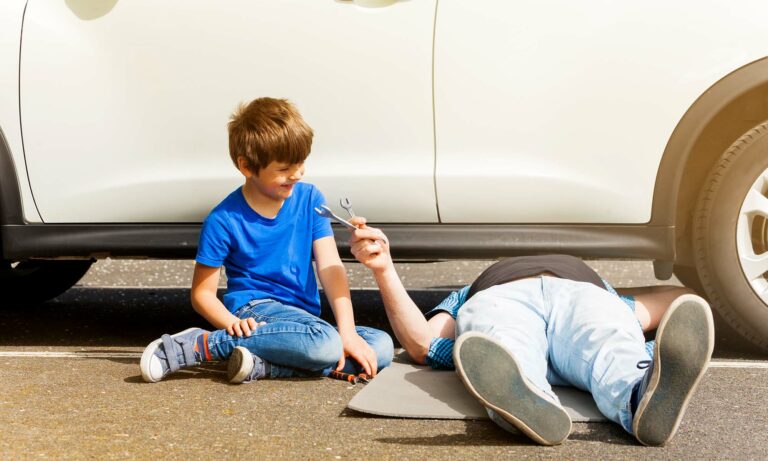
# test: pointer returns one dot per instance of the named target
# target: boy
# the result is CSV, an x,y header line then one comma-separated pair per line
x,y
265,234
530,322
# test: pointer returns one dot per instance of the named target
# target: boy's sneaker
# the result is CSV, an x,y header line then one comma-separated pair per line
x,y
491,374
170,353
245,367
684,342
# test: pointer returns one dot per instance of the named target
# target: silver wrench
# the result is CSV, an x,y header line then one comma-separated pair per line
x,y
326,212
347,205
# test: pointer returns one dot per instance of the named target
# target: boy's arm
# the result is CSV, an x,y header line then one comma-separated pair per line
x,y
371,247
205,282
333,278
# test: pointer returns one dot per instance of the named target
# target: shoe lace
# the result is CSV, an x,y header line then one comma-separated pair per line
x,y
642,383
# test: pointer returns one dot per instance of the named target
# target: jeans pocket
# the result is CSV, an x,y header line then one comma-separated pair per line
x,y
247,310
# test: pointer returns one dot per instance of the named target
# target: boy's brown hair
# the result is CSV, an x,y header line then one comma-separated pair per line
x,y
268,130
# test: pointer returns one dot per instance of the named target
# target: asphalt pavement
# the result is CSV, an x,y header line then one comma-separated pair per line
x,y
72,387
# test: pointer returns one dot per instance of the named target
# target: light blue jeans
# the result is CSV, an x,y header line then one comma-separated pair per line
x,y
295,342
563,332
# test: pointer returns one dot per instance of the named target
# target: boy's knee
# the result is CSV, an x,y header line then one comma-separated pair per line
x,y
326,348
384,349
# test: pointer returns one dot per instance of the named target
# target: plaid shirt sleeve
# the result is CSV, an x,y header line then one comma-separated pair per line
x,y
451,304
440,353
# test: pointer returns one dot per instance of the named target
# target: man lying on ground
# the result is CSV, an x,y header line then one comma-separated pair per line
x,y
531,322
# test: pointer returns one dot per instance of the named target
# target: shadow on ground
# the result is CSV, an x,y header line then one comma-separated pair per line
x,y
131,317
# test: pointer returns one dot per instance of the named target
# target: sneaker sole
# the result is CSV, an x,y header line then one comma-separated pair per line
x,y
149,351
684,343
491,374
240,365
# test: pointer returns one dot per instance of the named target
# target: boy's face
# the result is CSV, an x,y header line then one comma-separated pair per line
x,y
277,179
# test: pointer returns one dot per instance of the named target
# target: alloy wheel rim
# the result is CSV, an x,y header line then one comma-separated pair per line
x,y
752,236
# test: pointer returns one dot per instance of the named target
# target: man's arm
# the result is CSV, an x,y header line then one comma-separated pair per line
x,y
371,247
333,278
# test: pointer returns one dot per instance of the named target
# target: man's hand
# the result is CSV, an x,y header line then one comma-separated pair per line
x,y
369,246
358,349
243,327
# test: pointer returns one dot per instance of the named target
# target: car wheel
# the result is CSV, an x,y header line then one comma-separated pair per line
x,y
689,277
35,281
730,235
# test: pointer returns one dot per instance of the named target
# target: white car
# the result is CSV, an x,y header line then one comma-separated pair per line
x,y
464,128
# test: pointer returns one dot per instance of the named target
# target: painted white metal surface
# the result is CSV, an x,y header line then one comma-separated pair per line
x,y
559,111
125,104
11,12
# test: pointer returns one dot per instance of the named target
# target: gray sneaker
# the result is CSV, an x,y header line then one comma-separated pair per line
x,y
491,374
684,342
170,353
245,367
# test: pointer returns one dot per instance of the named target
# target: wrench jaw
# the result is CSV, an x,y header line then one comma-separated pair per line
x,y
347,205
326,212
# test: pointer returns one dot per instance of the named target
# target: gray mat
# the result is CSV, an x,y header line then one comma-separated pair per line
x,y
404,390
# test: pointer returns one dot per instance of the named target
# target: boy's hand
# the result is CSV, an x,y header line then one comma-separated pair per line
x,y
243,327
358,349
370,246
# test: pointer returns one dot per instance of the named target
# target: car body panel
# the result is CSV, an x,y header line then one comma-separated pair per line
x,y
575,104
141,93
174,172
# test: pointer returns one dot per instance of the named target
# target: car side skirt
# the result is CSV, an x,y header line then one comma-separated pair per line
x,y
408,241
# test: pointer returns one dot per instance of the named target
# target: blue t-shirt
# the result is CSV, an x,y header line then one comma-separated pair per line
x,y
266,258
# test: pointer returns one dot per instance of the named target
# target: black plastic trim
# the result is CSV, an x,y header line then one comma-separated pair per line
x,y
100,240
481,241
10,199
408,241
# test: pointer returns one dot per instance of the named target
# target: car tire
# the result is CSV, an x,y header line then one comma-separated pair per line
x,y
730,236
36,281
689,277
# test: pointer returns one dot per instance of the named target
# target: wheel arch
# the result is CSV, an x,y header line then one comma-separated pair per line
x,y
723,113
10,197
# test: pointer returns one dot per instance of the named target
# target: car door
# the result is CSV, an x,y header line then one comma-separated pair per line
x,y
559,112
124,104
